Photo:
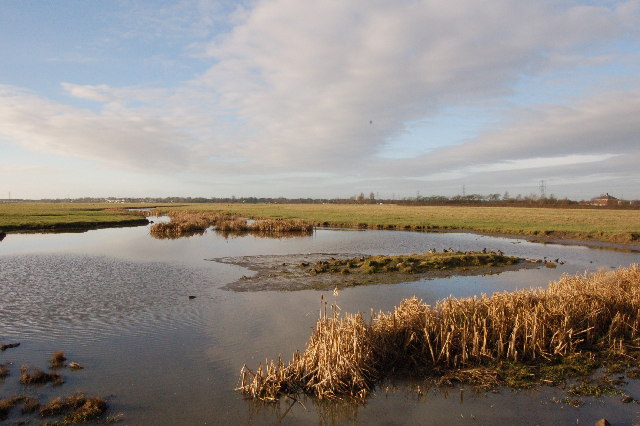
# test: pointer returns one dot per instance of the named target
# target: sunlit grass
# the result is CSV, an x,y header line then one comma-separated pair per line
x,y
537,330
622,226
52,216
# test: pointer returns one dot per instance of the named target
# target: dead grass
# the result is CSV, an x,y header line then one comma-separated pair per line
x,y
58,359
187,223
346,356
37,376
4,370
80,408
29,404
7,404
4,347
414,263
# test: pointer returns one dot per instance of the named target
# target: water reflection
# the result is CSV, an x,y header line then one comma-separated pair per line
x,y
116,300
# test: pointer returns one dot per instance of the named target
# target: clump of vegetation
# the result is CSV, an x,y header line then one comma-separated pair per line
x,y
29,405
37,376
4,347
58,359
7,404
4,370
414,263
80,408
187,223
601,386
345,356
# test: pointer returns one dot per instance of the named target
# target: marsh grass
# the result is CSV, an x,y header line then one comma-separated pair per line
x,y
188,223
33,217
79,407
29,405
7,404
37,376
595,314
412,264
57,359
6,346
4,370
618,226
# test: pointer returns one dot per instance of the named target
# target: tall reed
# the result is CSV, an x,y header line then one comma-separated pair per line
x,y
186,223
345,356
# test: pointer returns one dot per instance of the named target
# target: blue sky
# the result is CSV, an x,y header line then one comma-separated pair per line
x,y
296,99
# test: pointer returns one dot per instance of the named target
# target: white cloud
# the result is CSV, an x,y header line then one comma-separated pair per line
x,y
324,87
127,140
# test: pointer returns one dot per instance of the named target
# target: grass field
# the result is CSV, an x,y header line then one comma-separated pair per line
x,y
61,216
618,226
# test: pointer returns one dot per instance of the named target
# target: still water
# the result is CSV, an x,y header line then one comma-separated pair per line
x,y
117,302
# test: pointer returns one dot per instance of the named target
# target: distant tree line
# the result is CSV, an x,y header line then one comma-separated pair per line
x,y
531,200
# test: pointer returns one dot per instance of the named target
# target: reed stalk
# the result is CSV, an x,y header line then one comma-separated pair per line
x,y
187,223
345,355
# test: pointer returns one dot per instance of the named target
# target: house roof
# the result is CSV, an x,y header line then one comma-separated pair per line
x,y
605,197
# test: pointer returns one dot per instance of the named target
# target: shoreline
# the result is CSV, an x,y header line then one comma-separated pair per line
x,y
89,226
595,243
71,227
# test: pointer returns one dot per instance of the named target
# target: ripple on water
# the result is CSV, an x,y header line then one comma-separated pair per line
x,y
91,296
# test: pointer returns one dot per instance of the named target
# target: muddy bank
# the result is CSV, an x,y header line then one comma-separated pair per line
x,y
296,272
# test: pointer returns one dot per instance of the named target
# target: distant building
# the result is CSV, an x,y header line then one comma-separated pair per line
x,y
605,200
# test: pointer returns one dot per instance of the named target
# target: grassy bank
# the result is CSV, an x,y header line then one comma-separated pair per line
x,y
617,226
573,327
65,216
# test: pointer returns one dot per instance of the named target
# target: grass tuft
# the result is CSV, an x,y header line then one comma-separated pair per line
x,y
345,356
37,376
58,359
80,408
186,223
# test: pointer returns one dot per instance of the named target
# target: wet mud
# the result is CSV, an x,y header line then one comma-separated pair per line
x,y
295,272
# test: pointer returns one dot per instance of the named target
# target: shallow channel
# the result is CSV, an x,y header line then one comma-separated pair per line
x,y
117,301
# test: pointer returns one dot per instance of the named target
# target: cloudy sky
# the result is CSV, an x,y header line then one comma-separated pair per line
x,y
293,98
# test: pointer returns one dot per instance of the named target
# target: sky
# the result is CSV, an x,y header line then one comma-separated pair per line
x,y
269,98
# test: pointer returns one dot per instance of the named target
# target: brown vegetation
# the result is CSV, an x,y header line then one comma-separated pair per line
x,y
38,376
346,356
4,370
58,359
28,405
412,264
188,223
7,404
82,408
8,346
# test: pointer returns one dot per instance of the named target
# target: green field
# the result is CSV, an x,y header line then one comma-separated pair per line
x,y
65,216
618,226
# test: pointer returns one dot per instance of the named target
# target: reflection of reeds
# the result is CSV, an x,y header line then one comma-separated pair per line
x,y
188,223
345,355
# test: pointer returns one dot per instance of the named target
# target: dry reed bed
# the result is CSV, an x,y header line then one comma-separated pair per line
x,y
346,355
185,223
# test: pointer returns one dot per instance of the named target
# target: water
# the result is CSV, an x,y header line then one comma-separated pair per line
x,y
117,302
